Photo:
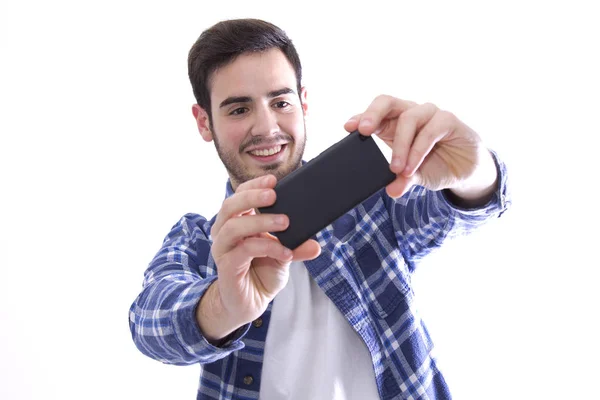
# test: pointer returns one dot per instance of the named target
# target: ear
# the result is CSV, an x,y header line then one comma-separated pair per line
x,y
203,122
303,99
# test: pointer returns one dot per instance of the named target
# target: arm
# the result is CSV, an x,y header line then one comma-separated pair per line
x,y
163,318
424,218
447,182
184,309
212,318
477,190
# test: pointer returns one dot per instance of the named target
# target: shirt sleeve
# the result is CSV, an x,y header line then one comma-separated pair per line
x,y
423,219
162,319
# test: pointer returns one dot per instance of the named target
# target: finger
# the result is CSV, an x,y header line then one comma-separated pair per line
x,y
237,229
242,203
400,186
243,254
409,123
263,182
307,250
440,125
266,181
352,124
383,107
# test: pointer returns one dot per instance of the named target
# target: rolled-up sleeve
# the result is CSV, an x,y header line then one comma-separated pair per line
x,y
162,319
423,219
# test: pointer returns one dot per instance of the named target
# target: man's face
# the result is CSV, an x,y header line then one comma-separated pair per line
x,y
257,116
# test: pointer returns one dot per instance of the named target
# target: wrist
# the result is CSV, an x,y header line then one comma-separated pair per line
x,y
478,189
213,319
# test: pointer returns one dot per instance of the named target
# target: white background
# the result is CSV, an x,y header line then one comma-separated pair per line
x,y
100,156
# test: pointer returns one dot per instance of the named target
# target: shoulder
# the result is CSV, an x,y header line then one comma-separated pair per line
x,y
193,226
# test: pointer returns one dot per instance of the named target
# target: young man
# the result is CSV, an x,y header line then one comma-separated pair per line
x,y
334,318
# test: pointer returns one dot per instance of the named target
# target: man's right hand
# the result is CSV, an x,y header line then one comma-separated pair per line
x,y
252,265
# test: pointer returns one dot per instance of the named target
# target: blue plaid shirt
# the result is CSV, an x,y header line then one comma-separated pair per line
x,y
367,259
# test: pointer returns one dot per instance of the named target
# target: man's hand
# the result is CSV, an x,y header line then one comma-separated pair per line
x,y
252,265
430,147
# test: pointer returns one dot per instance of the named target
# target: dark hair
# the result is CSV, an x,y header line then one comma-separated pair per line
x,y
222,43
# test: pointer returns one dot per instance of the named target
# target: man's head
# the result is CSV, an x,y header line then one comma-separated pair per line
x,y
246,77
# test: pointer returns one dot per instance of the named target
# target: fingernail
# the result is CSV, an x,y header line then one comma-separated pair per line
x,y
396,163
287,253
280,220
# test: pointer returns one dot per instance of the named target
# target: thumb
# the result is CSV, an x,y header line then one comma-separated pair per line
x,y
307,250
352,123
402,184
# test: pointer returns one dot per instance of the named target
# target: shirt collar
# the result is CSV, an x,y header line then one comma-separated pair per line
x,y
228,189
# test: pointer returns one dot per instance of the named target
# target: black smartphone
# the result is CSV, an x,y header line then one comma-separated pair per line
x,y
328,186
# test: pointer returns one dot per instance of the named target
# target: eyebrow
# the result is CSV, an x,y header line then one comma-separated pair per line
x,y
248,99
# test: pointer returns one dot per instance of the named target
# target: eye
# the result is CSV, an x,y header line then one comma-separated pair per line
x,y
282,104
238,111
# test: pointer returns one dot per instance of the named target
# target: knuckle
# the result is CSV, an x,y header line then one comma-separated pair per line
x,y
430,106
383,97
258,195
244,200
244,186
247,245
226,205
431,136
255,247
381,100
265,222
247,198
448,116
407,117
417,154
247,185
273,246
227,230
266,247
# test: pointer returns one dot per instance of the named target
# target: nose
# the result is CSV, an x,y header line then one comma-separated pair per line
x,y
265,122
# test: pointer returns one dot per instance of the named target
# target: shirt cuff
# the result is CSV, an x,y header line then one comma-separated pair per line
x,y
499,201
188,333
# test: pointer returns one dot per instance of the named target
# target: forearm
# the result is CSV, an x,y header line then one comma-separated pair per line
x,y
164,324
478,189
212,317
423,219
164,317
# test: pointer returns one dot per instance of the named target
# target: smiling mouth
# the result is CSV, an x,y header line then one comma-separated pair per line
x,y
267,152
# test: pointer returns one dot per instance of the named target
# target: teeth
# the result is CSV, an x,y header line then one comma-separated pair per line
x,y
266,152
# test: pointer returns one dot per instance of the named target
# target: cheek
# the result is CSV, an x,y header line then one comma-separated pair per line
x,y
231,134
293,124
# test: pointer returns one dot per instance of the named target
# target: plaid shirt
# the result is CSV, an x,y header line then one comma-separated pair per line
x,y
367,259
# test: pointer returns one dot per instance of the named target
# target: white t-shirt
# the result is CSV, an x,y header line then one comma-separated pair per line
x,y
311,351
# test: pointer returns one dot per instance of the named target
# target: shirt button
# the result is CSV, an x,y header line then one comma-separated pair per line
x,y
257,322
248,380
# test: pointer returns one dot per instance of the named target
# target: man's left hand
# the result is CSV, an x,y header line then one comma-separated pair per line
x,y
430,147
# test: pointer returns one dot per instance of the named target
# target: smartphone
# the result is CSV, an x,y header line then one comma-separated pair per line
x,y
328,186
